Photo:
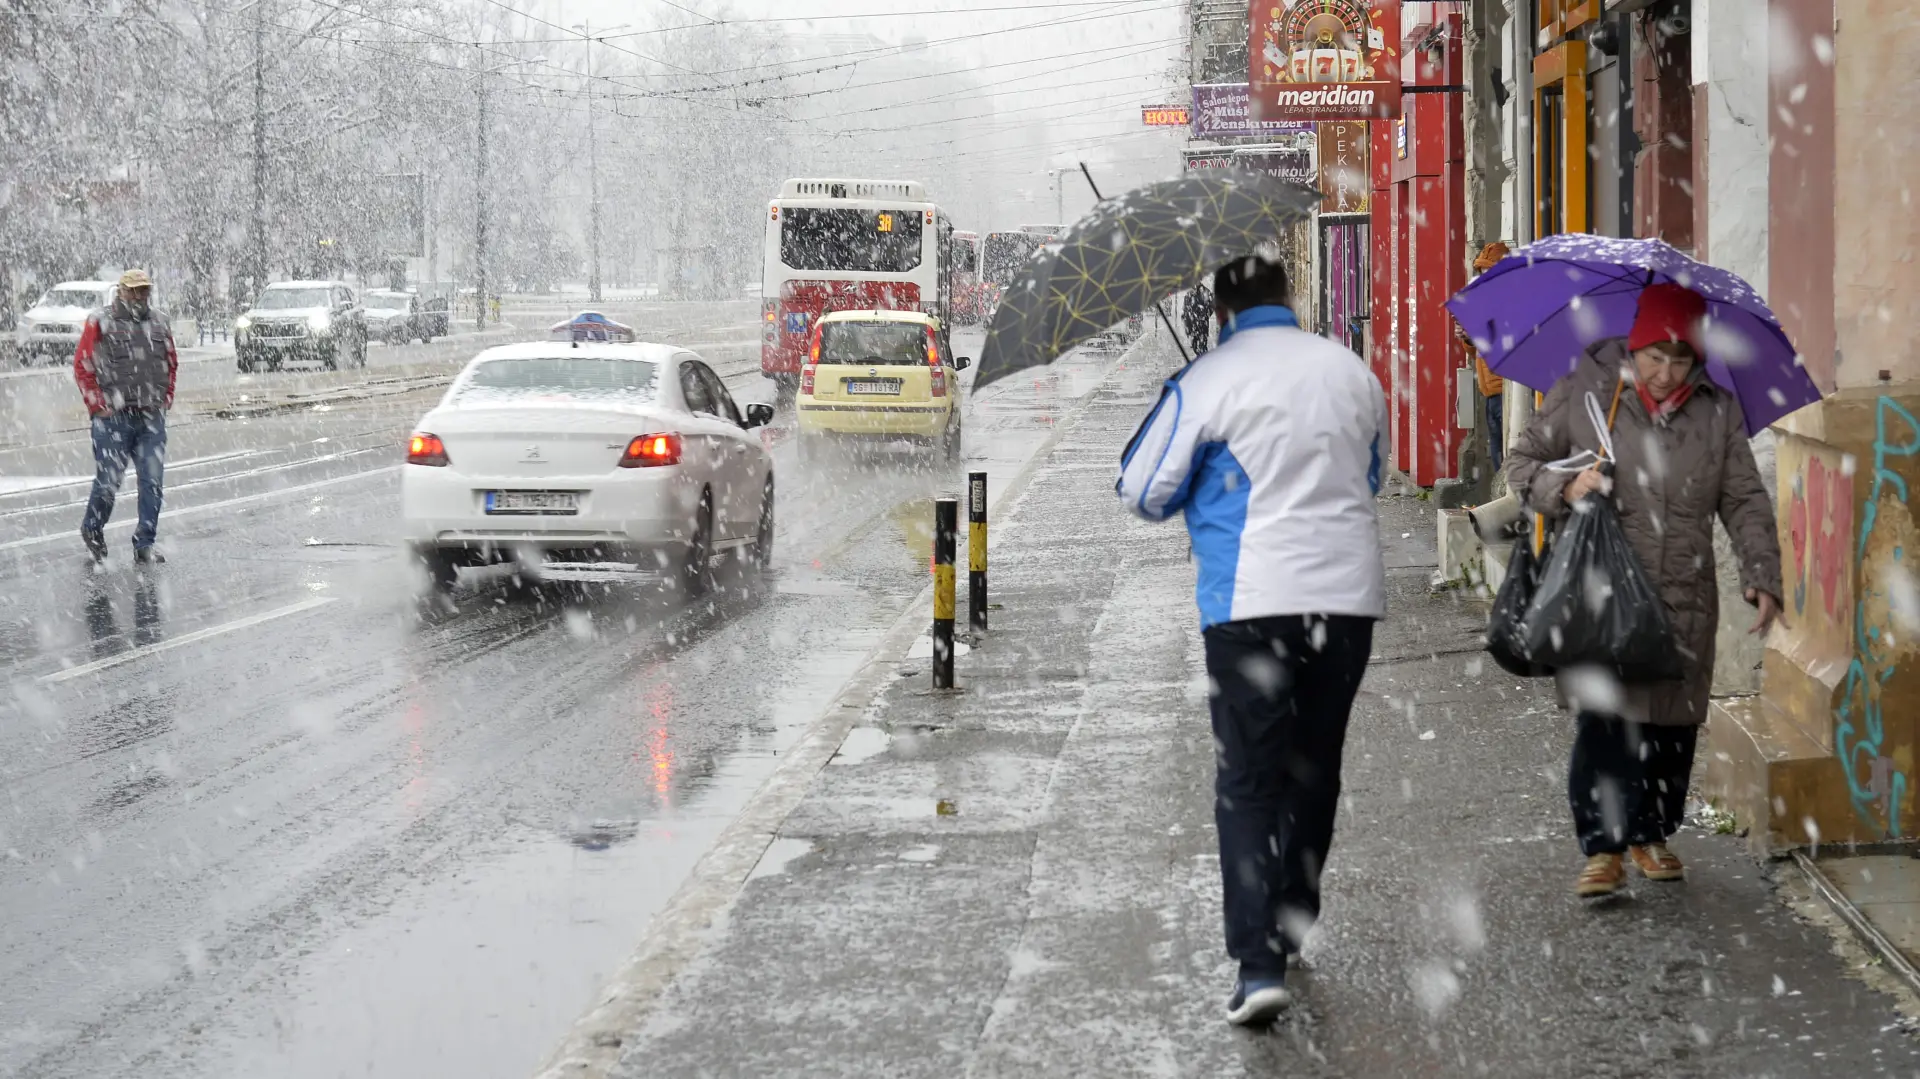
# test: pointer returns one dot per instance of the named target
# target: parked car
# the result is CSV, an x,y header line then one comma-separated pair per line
x,y
396,317
50,329
588,453
435,317
302,322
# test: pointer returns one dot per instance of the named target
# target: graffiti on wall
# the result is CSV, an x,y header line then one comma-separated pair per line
x,y
1819,524
1875,781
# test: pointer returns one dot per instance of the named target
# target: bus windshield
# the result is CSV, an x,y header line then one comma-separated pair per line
x,y
855,241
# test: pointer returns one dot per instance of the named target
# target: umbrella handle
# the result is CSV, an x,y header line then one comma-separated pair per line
x,y
1161,307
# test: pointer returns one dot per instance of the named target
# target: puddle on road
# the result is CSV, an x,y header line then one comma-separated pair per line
x,y
601,834
862,744
779,854
915,521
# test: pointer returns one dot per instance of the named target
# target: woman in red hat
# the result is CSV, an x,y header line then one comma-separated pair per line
x,y
1681,460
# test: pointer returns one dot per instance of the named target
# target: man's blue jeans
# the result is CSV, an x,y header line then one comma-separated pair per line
x,y
136,435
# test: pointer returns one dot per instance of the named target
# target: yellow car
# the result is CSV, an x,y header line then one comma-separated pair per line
x,y
880,376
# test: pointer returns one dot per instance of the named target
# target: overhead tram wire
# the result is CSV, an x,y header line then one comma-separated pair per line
x,y
631,93
1089,57
759,21
1136,7
504,6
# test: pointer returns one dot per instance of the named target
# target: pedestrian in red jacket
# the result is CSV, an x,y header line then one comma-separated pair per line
x,y
126,366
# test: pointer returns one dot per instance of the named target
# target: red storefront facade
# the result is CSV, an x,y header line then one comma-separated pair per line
x,y
1419,250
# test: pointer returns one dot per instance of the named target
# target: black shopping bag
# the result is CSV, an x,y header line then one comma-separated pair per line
x,y
1593,604
1506,623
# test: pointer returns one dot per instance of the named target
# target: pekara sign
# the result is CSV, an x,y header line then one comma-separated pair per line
x,y
1324,60
1223,110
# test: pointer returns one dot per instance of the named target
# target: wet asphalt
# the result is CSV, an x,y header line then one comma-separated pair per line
x,y
268,812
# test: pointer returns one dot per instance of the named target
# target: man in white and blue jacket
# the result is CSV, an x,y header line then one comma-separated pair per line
x,y
1271,445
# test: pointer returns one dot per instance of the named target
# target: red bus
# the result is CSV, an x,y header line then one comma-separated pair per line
x,y
1002,254
969,299
841,245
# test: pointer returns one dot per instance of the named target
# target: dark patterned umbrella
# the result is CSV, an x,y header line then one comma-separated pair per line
x,y
1130,253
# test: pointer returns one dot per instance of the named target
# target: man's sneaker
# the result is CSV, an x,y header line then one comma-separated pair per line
x,y
96,542
1258,999
1656,862
1604,875
147,556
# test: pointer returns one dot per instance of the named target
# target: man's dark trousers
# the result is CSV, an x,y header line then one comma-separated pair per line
x,y
1282,690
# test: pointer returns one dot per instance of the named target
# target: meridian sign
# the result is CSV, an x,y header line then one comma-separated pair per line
x,y
1324,59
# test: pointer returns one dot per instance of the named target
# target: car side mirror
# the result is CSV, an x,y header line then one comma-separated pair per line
x,y
961,363
759,415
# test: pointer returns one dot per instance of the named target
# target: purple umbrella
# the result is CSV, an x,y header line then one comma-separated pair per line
x,y
1534,313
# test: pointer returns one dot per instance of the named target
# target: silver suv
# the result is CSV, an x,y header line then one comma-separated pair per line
x,y
50,329
302,321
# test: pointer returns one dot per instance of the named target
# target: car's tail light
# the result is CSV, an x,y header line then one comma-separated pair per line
x,y
806,379
425,449
937,381
649,451
769,309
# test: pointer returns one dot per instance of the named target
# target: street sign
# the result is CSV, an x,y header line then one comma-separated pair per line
x,y
1324,59
1290,162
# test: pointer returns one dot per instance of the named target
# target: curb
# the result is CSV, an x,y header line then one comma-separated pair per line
x,y
1869,934
593,1047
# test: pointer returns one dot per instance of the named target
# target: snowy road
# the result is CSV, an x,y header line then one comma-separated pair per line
x,y
265,817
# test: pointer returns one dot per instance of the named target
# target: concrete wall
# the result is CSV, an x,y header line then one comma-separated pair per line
x,y
1877,157
1731,129
1800,109
1731,123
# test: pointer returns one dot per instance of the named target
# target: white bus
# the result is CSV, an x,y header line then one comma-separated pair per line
x,y
840,245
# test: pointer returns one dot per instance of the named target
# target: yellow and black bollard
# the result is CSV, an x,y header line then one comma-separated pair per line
x,y
946,513
977,551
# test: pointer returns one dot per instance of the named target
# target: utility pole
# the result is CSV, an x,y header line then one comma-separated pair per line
x,y
257,272
1059,194
593,179
480,211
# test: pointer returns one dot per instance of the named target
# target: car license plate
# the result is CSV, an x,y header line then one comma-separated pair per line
x,y
874,385
555,502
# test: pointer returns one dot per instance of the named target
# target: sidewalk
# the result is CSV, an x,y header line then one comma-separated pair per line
x,y
1021,879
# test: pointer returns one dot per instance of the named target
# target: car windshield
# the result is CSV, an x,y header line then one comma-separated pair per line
x,y
582,378
284,298
861,241
71,297
873,342
388,301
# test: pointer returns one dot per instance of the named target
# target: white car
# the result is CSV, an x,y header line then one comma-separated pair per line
x,y
51,327
598,453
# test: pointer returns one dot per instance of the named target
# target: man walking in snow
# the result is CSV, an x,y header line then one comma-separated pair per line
x,y
125,366
1271,446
